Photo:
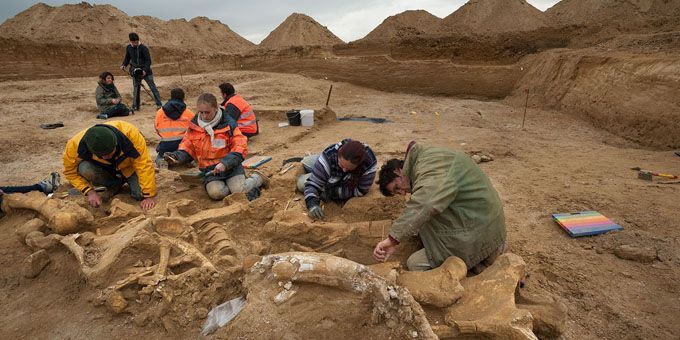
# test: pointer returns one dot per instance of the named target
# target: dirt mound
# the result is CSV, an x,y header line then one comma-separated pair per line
x,y
300,30
628,14
403,25
493,16
105,24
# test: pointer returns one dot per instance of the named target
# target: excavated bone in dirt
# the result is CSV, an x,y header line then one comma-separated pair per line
x,y
62,218
439,287
295,227
121,210
390,304
109,246
212,215
174,207
487,309
171,226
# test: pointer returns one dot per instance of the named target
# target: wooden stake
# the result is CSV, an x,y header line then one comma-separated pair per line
x,y
329,95
526,103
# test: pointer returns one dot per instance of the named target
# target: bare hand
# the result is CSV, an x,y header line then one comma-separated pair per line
x,y
147,203
384,249
93,199
115,100
122,67
143,73
220,167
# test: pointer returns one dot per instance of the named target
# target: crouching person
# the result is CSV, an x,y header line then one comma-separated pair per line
x,y
215,142
109,101
172,121
110,155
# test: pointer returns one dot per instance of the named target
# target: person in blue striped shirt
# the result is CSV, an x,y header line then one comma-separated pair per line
x,y
342,171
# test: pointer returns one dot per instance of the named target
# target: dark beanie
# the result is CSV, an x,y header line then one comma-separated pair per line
x,y
100,140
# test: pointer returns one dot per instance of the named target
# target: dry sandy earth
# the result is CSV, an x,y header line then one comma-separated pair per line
x,y
556,164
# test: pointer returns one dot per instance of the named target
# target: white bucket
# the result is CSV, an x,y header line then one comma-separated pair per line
x,y
307,117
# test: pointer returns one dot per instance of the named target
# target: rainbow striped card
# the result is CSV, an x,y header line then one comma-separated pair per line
x,y
585,223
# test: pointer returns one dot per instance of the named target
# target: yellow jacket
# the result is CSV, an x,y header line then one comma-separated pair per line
x,y
132,157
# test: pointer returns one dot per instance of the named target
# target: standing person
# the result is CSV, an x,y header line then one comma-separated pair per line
x,y
453,208
342,171
138,57
172,121
109,101
239,110
216,143
109,155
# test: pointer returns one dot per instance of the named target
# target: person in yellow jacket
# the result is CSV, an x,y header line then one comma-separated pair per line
x,y
108,155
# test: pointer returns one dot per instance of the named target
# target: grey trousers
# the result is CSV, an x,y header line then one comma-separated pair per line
x,y
99,176
308,164
218,190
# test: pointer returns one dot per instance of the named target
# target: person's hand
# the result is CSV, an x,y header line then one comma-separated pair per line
x,y
171,158
147,203
93,199
115,100
384,249
143,73
220,167
122,67
316,212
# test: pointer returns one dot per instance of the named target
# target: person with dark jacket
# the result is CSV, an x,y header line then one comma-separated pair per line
x,y
342,171
138,57
109,101
172,121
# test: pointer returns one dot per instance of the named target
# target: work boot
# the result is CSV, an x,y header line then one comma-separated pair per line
x,y
51,184
102,116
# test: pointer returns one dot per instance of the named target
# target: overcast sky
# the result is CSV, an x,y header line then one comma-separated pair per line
x,y
254,19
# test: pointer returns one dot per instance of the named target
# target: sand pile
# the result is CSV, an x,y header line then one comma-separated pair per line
x,y
630,13
404,25
105,24
300,30
493,16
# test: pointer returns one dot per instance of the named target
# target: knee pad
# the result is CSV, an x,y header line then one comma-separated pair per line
x,y
217,190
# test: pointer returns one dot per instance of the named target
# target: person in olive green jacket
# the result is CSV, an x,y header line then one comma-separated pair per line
x,y
109,101
453,208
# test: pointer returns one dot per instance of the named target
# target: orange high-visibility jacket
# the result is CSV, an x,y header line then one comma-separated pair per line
x,y
172,129
246,121
197,142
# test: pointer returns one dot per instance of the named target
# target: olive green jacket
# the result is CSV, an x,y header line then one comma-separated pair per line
x,y
104,97
453,207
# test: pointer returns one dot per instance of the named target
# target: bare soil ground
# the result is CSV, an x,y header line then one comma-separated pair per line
x,y
557,163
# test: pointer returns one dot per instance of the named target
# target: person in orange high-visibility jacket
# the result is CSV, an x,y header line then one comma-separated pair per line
x,y
219,147
172,121
108,155
239,110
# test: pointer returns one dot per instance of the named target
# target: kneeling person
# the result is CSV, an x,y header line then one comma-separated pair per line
x,y
216,143
453,208
108,155
342,171
172,121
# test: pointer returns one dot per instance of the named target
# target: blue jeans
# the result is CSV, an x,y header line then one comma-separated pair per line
x,y
21,189
100,176
137,83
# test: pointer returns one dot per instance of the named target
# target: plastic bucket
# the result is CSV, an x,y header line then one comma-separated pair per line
x,y
294,117
307,117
